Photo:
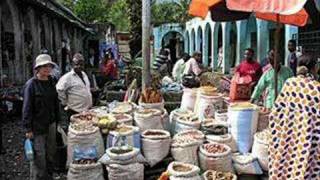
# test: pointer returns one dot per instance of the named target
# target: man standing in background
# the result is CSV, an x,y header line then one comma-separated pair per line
x,y
292,57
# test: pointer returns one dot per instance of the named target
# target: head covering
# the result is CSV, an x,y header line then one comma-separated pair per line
x,y
43,59
78,57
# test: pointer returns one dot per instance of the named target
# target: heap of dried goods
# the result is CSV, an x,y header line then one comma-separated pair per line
x,y
214,148
151,96
214,175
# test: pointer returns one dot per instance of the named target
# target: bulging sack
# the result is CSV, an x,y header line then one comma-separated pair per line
x,y
85,139
85,172
176,114
183,171
124,135
260,148
185,146
186,123
189,98
152,105
208,105
215,156
155,145
246,164
148,119
243,120
223,139
133,171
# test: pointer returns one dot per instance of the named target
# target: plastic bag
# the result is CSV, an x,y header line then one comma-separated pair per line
x,y
89,152
28,150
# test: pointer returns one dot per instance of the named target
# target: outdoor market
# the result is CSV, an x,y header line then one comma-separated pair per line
x,y
222,102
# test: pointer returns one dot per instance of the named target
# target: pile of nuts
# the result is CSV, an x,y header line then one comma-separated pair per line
x,y
214,175
214,148
84,126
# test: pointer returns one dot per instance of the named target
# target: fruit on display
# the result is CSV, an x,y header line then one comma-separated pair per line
x,y
108,122
150,95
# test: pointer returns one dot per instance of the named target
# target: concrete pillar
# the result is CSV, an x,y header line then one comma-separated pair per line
x,y
193,40
198,38
186,42
226,47
289,32
241,39
215,38
262,39
213,46
205,47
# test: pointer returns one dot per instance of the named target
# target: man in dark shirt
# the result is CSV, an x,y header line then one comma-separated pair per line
x,y
292,57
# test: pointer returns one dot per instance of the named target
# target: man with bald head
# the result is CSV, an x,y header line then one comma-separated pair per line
x,y
74,88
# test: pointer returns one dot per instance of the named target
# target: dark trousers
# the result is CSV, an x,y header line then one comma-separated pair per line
x,y
44,146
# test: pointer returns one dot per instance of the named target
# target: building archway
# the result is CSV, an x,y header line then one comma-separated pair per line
x,y
208,45
193,41
187,42
233,44
217,45
252,34
199,46
174,41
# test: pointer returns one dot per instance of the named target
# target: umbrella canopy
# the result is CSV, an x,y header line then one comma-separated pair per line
x,y
283,7
221,12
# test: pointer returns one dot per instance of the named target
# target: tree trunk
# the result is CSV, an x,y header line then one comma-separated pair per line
x,y
146,22
135,13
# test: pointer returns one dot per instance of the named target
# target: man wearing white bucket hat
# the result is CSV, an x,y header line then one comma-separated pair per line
x,y
40,112
74,88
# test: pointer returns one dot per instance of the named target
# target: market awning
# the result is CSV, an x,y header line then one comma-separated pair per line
x,y
200,8
283,7
297,19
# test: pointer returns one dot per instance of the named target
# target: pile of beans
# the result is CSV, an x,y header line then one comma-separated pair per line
x,y
214,148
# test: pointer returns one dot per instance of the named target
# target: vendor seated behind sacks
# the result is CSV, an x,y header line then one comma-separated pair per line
x,y
267,81
74,88
179,68
193,64
249,67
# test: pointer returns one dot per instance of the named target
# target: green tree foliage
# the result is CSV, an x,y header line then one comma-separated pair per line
x,y
170,12
101,11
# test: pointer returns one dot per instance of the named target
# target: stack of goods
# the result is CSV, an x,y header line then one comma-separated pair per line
x,y
155,145
246,164
215,156
179,170
151,98
209,101
124,135
177,113
263,121
124,162
85,165
212,127
82,132
185,123
226,139
106,123
148,119
260,148
215,175
185,146
189,98
243,119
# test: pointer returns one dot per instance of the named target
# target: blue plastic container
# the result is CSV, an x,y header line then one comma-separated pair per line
x,y
28,150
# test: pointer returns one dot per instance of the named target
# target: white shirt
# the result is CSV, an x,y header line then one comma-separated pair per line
x,y
178,69
73,92
192,66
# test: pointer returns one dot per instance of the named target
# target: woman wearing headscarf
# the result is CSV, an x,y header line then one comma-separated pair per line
x,y
40,112
294,149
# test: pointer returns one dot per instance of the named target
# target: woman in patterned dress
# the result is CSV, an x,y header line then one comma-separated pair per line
x,y
294,149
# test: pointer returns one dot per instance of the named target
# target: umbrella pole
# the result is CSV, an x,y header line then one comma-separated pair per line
x,y
276,57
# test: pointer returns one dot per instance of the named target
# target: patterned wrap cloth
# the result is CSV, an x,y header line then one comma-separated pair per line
x,y
294,149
